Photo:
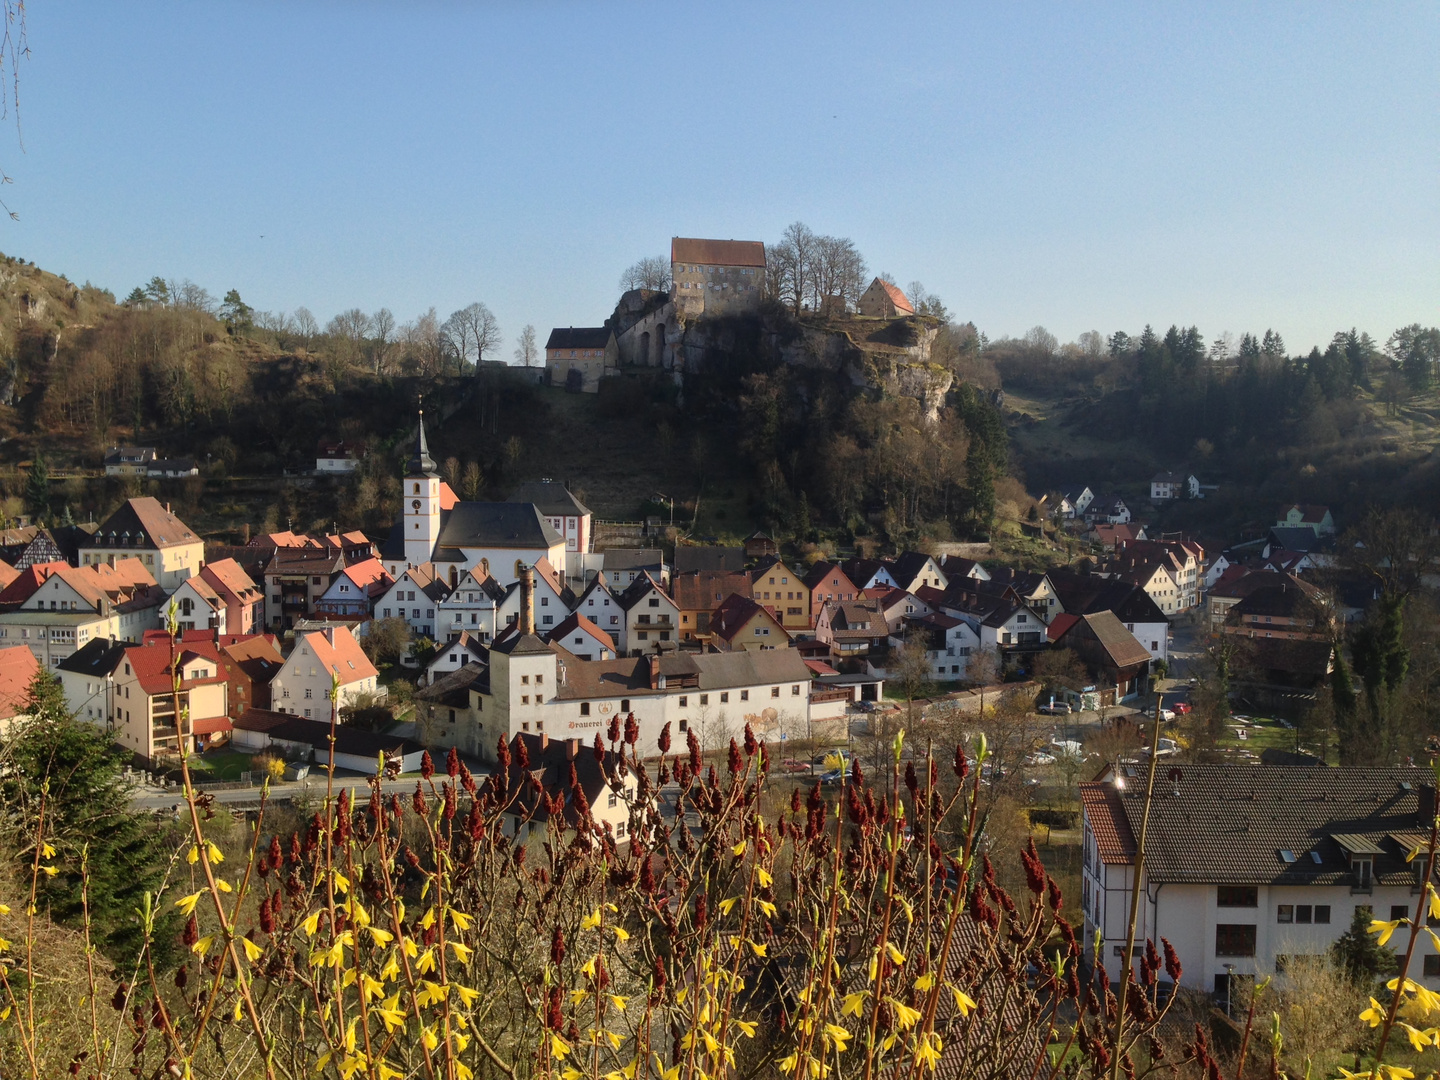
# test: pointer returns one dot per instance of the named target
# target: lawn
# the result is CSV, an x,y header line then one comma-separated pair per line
x,y
219,765
1267,733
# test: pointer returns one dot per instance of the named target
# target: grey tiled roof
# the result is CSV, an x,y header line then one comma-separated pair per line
x,y
1230,823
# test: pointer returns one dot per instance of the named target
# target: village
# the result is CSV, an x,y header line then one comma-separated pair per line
x,y
474,626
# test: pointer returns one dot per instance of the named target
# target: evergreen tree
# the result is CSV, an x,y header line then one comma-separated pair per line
x,y
37,488
1357,952
71,767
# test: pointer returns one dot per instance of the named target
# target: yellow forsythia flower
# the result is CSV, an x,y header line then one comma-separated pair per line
x,y
427,1036
252,951
558,1046
905,1016
929,1050
621,934
765,879
468,997
50,871
311,924
837,1035
726,905
1384,928
462,952
426,963
47,851
213,853
739,849
460,919
186,904
201,947
896,956
193,855
926,981
853,1004
747,1027
380,937
1374,1015
964,1003
223,885
237,1013
589,922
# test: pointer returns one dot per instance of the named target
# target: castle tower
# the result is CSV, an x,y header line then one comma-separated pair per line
x,y
421,490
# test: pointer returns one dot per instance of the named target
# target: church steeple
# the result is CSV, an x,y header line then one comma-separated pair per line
x,y
421,463
421,519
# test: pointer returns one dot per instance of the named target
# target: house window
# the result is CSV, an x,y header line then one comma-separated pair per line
x,y
1285,913
1399,911
684,726
795,690
1235,939
704,699
585,708
1236,896
309,693
774,691
613,801
1432,967
620,828
725,698
744,695
625,705
1304,913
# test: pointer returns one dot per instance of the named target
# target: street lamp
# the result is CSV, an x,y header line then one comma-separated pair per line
x,y
1229,990
658,497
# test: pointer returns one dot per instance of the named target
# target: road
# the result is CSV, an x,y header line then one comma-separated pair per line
x,y
151,797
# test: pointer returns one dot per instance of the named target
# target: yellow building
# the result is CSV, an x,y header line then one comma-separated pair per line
x,y
145,701
145,529
740,623
784,593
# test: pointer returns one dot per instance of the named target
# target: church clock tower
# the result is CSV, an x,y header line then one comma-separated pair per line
x,y
422,502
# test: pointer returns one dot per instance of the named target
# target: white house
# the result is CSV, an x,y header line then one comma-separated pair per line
x,y
566,514
303,685
650,616
472,607
1110,509
948,643
599,604
914,570
1073,502
355,589
337,456
1168,485
415,597
1251,869
583,639
460,650
88,678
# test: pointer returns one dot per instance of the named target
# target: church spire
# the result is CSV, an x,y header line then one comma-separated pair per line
x,y
421,463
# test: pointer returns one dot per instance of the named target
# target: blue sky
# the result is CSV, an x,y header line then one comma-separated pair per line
x,y
1077,166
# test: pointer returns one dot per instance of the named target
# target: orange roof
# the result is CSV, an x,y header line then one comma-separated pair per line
x,y
1060,624
343,655
736,613
151,663
29,581
128,573
1111,828
229,579
368,572
448,498
8,573
717,252
896,297
576,623
18,667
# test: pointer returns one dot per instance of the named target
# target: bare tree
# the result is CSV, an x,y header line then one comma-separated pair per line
x,y
348,332
424,342
838,270
651,272
526,351
382,330
306,327
482,330
470,482
791,262
457,330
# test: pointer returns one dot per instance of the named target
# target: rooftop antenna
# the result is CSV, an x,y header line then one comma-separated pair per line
x,y
1174,775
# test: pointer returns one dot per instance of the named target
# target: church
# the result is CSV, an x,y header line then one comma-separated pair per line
x,y
499,538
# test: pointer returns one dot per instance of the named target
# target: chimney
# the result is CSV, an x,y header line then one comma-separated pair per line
x,y
330,635
572,747
544,742
654,671
527,600
1425,811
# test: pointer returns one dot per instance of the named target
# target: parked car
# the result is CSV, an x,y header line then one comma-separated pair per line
x,y
1181,708
790,765
1056,708
865,706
